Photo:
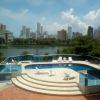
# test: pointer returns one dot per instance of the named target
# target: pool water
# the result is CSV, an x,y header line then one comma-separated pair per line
x,y
89,76
9,68
75,67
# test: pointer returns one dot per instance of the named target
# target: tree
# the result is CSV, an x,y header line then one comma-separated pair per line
x,y
25,53
96,51
1,56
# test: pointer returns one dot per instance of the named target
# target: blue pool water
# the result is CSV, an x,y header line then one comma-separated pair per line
x,y
89,76
75,67
9,68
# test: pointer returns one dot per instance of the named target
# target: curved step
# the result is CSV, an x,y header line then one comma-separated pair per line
x,y
20,79
21,85
50,81
27,78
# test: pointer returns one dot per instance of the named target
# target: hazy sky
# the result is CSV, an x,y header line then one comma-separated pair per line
x,y
53,14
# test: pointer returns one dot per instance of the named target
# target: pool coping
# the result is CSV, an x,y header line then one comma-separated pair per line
x,y
63,62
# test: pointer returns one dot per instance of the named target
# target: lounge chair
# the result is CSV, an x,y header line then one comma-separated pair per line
x,y
64,59
54,60
60,59
70,59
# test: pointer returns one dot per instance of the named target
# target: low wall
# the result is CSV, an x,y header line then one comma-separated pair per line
x,y
90,89
8,76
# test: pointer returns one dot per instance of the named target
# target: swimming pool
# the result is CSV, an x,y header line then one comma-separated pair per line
x,y
76,67
10,68
92,73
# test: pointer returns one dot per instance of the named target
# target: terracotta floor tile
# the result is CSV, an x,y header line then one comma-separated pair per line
x,y
15,93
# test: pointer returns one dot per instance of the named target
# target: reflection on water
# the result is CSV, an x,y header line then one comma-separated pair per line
x,y
34,50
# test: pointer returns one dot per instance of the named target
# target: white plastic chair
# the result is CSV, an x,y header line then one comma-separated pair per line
x,y
60,59
70,59
64,59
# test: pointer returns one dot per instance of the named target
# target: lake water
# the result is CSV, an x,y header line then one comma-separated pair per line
x,y
13,51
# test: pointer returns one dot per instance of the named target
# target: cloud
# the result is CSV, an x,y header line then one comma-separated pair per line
x,y
71,19
65,18
53,27
18,16
93,18
16,19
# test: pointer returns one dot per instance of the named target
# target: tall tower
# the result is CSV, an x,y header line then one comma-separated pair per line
x,y
41,30
2,27
90,31
23,32
97,32
70,32
28,33
38,28
39,33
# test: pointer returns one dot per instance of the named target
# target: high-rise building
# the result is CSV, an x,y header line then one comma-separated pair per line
x,y
41,30
45,35
28,33
70,33
90,31
5,34
25,32
77,34
33,35
39,34
38,28
97,32
61,35
2,27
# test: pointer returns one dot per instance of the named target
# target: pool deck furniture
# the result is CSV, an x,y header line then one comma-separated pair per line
x,y
64,59
60,59
70,59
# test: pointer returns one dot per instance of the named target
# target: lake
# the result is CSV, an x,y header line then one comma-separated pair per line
x,y
13,51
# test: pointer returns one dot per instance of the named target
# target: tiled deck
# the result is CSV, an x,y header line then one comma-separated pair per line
x,y
15,93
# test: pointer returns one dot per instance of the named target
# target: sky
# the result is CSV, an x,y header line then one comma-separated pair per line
x,y
54,15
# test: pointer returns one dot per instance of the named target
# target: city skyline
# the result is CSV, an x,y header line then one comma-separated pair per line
x,y
52,14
